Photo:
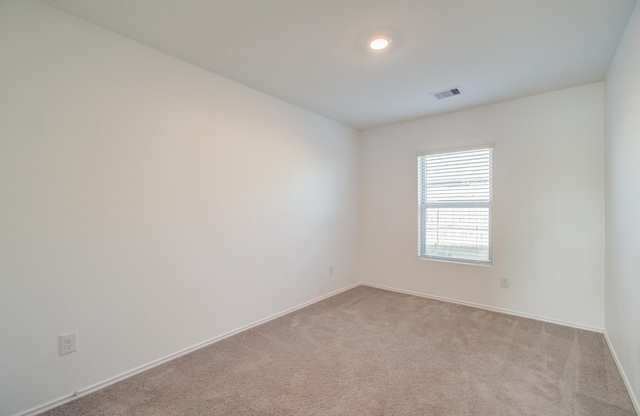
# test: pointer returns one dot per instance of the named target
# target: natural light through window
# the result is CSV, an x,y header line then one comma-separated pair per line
x,y
454,204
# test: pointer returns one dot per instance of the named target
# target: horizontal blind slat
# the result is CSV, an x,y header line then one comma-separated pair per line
x,y
455,200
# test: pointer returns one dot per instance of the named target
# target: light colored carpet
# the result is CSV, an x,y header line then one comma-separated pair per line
x,y
374,352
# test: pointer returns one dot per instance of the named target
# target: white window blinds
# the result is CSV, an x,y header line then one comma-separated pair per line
x,y
455,197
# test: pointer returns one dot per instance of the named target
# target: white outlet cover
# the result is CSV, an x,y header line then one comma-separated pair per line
x,y
504,282
68,343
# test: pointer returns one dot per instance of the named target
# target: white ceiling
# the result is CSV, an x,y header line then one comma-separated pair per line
x,y
313,52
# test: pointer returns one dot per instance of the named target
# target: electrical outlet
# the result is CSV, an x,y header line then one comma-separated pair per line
x,y
504,282
68,343
331,270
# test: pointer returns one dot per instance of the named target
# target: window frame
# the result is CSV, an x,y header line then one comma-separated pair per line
x,y
423,205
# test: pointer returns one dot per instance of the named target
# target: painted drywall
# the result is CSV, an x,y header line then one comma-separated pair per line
x,y
548,206
622,120
150,205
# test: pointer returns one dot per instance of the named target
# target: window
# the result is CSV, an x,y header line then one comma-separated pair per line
x,y
454,204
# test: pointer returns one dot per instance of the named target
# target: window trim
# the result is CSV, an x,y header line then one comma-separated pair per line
x,y
422,205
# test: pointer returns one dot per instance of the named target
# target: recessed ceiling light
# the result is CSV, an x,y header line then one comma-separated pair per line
x,y
378,43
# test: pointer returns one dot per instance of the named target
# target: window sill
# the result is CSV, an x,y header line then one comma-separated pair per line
x,y
456,261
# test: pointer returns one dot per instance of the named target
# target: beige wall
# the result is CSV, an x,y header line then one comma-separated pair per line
x,y
150,205
548,212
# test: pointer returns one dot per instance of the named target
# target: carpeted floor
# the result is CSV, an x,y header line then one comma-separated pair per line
x,y
374,352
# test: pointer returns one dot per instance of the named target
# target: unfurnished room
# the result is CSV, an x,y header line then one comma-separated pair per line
x,y
338,207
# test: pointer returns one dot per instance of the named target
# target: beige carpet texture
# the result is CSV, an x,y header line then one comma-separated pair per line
x,y
368,351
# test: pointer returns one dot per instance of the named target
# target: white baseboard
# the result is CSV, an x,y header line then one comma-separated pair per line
x,y
486,307
130,373
634,399
112,380
632,395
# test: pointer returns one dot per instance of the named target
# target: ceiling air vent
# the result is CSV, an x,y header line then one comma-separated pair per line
x,y
447,93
